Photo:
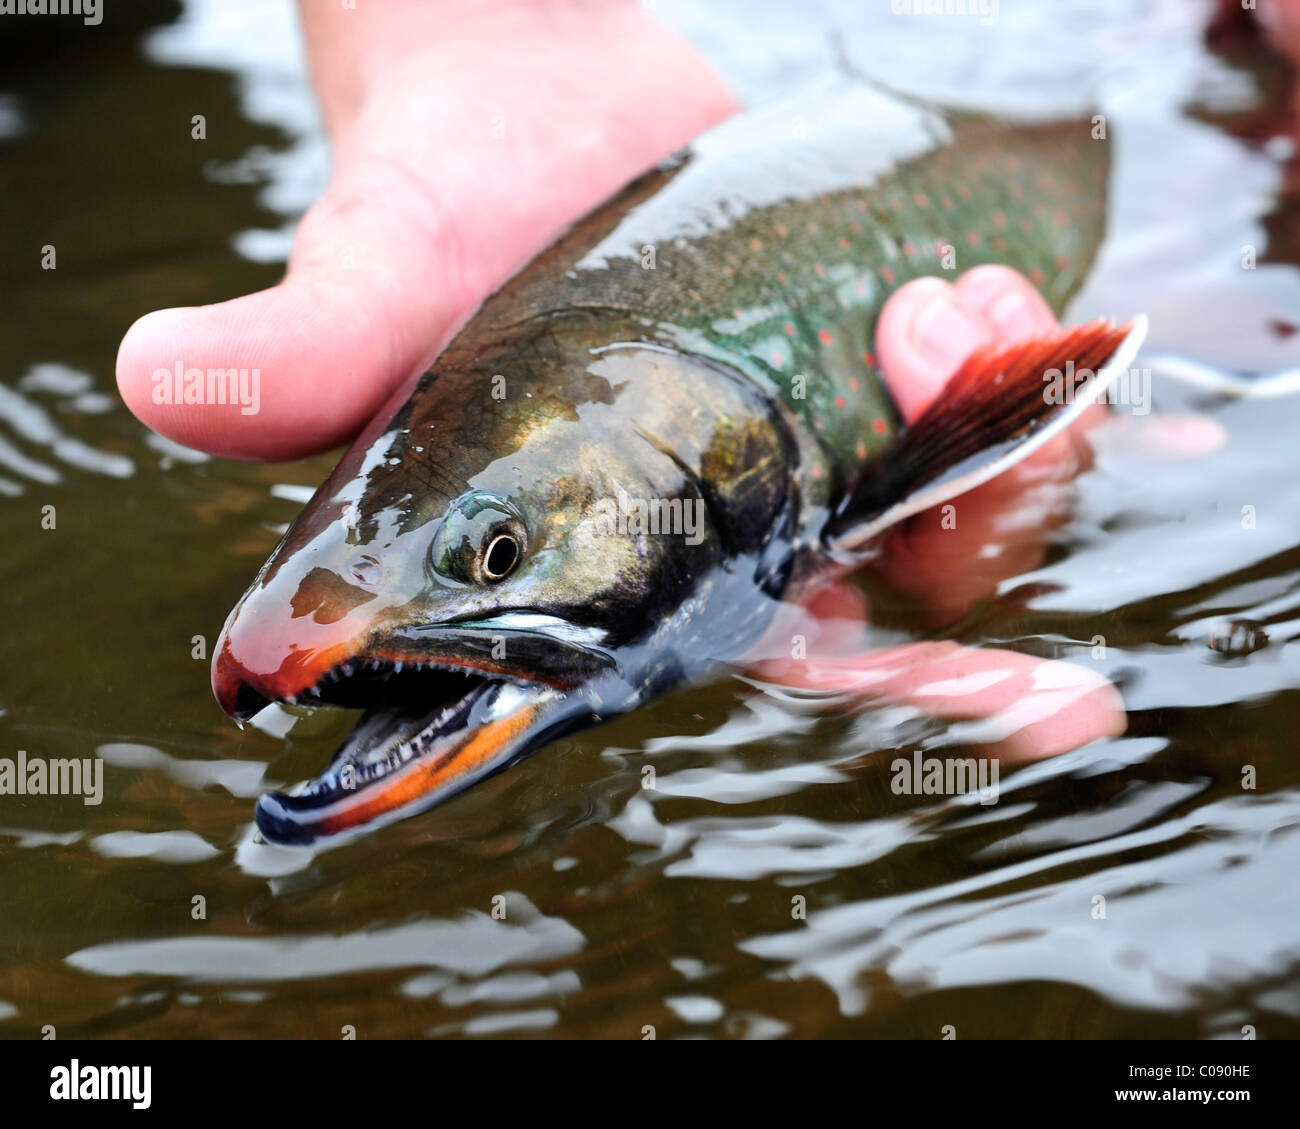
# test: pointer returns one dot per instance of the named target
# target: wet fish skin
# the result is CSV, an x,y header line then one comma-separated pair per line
x,y
704,338
789,280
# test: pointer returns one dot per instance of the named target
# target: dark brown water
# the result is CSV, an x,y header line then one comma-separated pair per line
x,y
563,898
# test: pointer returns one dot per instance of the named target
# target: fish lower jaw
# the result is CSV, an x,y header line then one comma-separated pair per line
x,y
401,757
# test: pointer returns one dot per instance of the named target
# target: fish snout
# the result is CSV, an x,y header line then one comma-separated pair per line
x,y
278,646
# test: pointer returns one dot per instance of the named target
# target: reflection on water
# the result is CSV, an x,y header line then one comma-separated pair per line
x,y
771,883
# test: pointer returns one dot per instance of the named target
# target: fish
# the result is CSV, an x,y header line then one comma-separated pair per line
x,y
659,432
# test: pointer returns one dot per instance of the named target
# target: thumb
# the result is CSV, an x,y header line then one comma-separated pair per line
x,y
369,295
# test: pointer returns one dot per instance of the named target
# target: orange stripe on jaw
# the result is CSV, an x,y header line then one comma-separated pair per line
x,y
419,779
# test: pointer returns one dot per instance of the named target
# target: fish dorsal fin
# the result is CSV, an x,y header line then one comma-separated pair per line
x,y
998,408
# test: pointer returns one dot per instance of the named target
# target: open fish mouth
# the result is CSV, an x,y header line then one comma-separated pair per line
x,y
429,731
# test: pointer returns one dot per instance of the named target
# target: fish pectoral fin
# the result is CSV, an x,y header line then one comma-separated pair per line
x,y
998,408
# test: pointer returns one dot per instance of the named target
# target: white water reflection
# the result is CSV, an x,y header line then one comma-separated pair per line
x,y
472,945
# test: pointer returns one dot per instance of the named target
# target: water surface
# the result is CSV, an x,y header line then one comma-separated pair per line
x,y
562,898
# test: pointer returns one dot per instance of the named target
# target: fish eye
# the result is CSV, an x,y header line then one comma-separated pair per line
x,y
480,541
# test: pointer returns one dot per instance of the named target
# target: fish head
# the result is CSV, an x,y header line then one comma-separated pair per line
x,y
466,576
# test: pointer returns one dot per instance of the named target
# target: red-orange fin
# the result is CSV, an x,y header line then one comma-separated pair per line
x,y
997,408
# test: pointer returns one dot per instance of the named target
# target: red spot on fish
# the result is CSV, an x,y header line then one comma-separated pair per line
x,y
887,274
824,336
999,220
879,426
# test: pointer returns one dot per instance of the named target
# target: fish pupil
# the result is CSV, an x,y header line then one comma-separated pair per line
x,y
501,556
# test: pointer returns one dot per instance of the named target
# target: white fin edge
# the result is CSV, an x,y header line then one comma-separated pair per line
x,y
936,494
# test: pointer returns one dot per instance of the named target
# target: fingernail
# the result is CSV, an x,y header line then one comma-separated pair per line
x,y
944,334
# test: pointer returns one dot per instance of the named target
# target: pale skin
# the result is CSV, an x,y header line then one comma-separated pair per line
x,y
464,139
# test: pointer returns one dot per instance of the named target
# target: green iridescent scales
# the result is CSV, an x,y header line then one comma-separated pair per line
x,y
789,293
859,249
806,296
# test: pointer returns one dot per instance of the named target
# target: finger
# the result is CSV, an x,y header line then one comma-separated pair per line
x,y
327,346
1030,708
950,560
829,621
431,206
999,527
923,334
1015,311
1007,302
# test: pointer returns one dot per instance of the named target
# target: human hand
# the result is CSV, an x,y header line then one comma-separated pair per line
x,y
464,140
1041,708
